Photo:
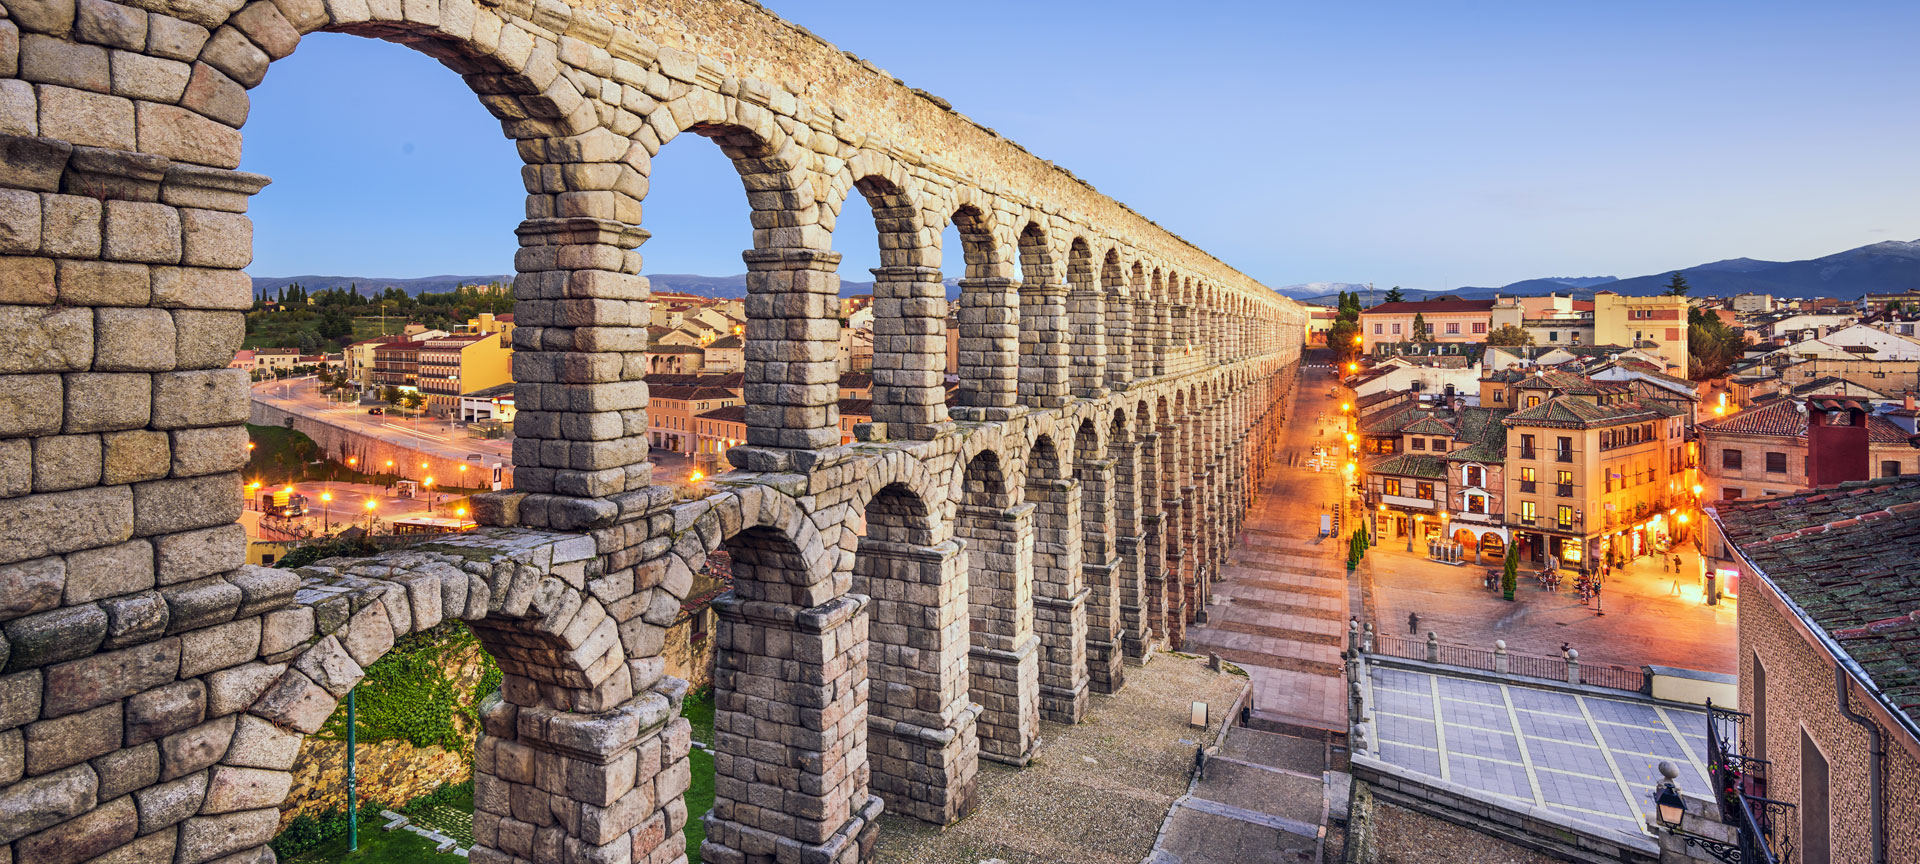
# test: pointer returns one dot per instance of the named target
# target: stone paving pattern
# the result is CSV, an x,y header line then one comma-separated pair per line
x,y
1590,757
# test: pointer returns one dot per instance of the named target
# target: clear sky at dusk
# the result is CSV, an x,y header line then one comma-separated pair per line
x,y
1423,144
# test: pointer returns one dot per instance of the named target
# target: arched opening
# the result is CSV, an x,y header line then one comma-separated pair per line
x,y
1493,549
983,350
894,337
1117,309
1003,661
1043,323
1059,593
1100,565
922,747
1085,327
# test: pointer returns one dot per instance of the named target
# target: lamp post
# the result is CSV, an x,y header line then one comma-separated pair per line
x,y
326,512
371,504
427,484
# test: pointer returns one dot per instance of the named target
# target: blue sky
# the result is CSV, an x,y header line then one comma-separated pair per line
x,y
1423,144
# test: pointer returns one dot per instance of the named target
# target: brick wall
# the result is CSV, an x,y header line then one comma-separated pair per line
x,y
1800,698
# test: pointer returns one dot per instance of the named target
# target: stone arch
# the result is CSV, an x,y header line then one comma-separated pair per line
x,y
1044,379
989,338
1059,592
909,304
1095,471
1117,315
925,748
1003,661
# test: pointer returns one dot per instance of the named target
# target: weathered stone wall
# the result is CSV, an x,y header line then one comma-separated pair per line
x,y
390,773
154,692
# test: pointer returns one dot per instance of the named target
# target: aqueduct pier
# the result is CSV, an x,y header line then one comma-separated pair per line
x,y
903,606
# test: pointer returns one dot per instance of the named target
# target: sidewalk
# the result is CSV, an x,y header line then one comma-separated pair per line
x,y
1645,621
1281,611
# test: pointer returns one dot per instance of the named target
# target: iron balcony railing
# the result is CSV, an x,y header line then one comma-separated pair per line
x,y
1763,825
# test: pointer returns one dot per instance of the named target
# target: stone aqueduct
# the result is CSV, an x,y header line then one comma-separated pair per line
x,y
903,606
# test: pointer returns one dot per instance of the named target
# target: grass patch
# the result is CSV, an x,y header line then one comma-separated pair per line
x,y
448,810
699,801
698,709
377,847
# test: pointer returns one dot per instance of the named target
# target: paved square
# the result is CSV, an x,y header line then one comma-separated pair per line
x,y
1593,758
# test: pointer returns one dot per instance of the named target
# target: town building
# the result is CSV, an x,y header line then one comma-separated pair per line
x,y
1752,303
1591,472
1444,478
275,359
1442,375
1448,320
488,403
1880,301
1762,451
1658,323
725,354
396,364
1829,641
672,409
451,366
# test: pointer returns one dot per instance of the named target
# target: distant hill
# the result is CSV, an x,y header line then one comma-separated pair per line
x,y
685,283
1891,266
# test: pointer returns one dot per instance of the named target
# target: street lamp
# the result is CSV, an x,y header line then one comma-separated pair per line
x,y
371,503
1672,807
326,514
427,484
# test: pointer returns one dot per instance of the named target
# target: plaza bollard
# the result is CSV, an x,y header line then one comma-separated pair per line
x,y
1500,660
1573,665
1366,643
1433,647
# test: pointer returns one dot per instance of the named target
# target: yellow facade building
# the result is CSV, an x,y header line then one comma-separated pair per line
x,y
1634,322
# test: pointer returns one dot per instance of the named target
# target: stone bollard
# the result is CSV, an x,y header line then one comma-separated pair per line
x,y
1366,644
1353,634
1356,701
1500,660
1213,662
1433,647
1573,665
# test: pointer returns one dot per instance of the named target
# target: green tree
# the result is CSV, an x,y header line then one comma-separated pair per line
x,y
1713,345
415,400
1420,333
1395,295
1340,338
1508,334
1510,571
1677,285
391,395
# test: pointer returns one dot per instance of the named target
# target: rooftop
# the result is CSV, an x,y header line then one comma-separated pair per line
x,y
1786,418
1844,556
1430,307
1567,412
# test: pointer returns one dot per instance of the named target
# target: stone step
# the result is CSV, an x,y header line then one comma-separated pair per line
x,y
1303,755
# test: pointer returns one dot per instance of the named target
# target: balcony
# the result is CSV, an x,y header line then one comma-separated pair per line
x,y
1528,453
1563,456
1529,487
1563,490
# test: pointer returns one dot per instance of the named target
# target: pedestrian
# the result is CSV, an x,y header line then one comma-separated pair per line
x,y
1564,648
1676,562
1413,624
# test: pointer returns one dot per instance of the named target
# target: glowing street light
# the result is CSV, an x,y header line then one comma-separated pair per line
x,y
1345,407
1353,367
325,513
427,484
370,505
1697,488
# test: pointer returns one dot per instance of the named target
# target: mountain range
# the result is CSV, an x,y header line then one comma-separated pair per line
x,y
1892,266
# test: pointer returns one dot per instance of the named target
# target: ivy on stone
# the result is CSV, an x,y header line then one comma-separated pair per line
x,y
409,694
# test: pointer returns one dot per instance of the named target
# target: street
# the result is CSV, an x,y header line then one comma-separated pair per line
x,y
441,437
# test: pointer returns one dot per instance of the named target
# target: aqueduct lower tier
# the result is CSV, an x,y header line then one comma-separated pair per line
x,y
903,606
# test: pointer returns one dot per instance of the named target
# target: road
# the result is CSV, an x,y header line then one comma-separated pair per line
x,y
441,437
1281,612
348,508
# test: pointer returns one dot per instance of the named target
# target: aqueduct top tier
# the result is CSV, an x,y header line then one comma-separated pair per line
x,y
941,584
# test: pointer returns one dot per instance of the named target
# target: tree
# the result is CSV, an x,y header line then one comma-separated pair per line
x,y
1420,333
1508,334
1340,338
1713,345
1395,295
1677,285
414,399
391,395
1510,571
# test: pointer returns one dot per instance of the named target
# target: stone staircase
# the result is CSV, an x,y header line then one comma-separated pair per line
x,y
1265,798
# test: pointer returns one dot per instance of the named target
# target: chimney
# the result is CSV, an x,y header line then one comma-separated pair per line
x,y
1908,403
1836,441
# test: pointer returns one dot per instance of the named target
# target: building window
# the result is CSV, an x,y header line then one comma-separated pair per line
x,y
1776,463
1815,829
1527,480
1499,397
1423,491
1565,453
1566,517
1564,488
1731,494
1476,474
1390,486
1890,468
1553,335
1529,512
1376,328
1730,459
1533,401
1419,443
1479,326
1396,329
1526,449
1453,328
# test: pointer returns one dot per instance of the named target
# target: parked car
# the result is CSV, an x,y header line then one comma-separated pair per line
x,y
376,410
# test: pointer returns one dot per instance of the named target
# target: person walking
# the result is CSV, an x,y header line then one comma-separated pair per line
x,y
1413,624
